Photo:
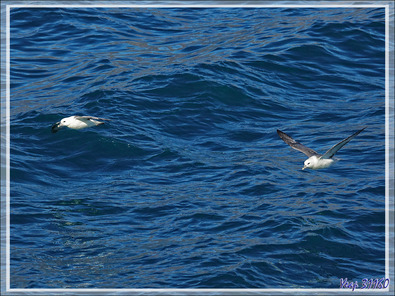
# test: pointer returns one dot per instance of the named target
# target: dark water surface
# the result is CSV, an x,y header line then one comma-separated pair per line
x,y
189,185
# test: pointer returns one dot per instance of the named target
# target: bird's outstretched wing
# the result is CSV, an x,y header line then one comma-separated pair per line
x,y
90,117
335,148
296,145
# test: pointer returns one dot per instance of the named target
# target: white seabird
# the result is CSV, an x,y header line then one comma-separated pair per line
x,y
77,122
315,160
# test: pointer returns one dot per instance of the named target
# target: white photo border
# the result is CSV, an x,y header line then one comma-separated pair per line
x,y
7,5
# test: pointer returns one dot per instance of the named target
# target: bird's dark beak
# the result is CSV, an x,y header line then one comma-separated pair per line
x,y
55,127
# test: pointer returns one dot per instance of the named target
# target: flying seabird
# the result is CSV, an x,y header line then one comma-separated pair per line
x,y
77,122
315,160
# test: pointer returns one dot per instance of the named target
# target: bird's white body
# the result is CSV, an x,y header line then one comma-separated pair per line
x,y
315,163
77,122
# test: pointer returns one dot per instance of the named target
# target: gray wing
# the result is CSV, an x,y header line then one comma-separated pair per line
x,y
335,148
296,145
90,117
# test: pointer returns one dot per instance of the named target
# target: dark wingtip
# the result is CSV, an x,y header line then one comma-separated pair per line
x,y
55,127
360,130
282,135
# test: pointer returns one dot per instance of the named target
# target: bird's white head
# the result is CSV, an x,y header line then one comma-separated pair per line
x,y
64,122
310,162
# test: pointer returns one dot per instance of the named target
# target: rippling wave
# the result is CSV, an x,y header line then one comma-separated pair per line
x,y
188,185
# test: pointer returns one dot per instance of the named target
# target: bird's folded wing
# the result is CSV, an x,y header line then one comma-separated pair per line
x,y
296,145
90,117
335,148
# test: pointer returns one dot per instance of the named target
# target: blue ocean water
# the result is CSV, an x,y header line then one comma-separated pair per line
x,y
189,185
